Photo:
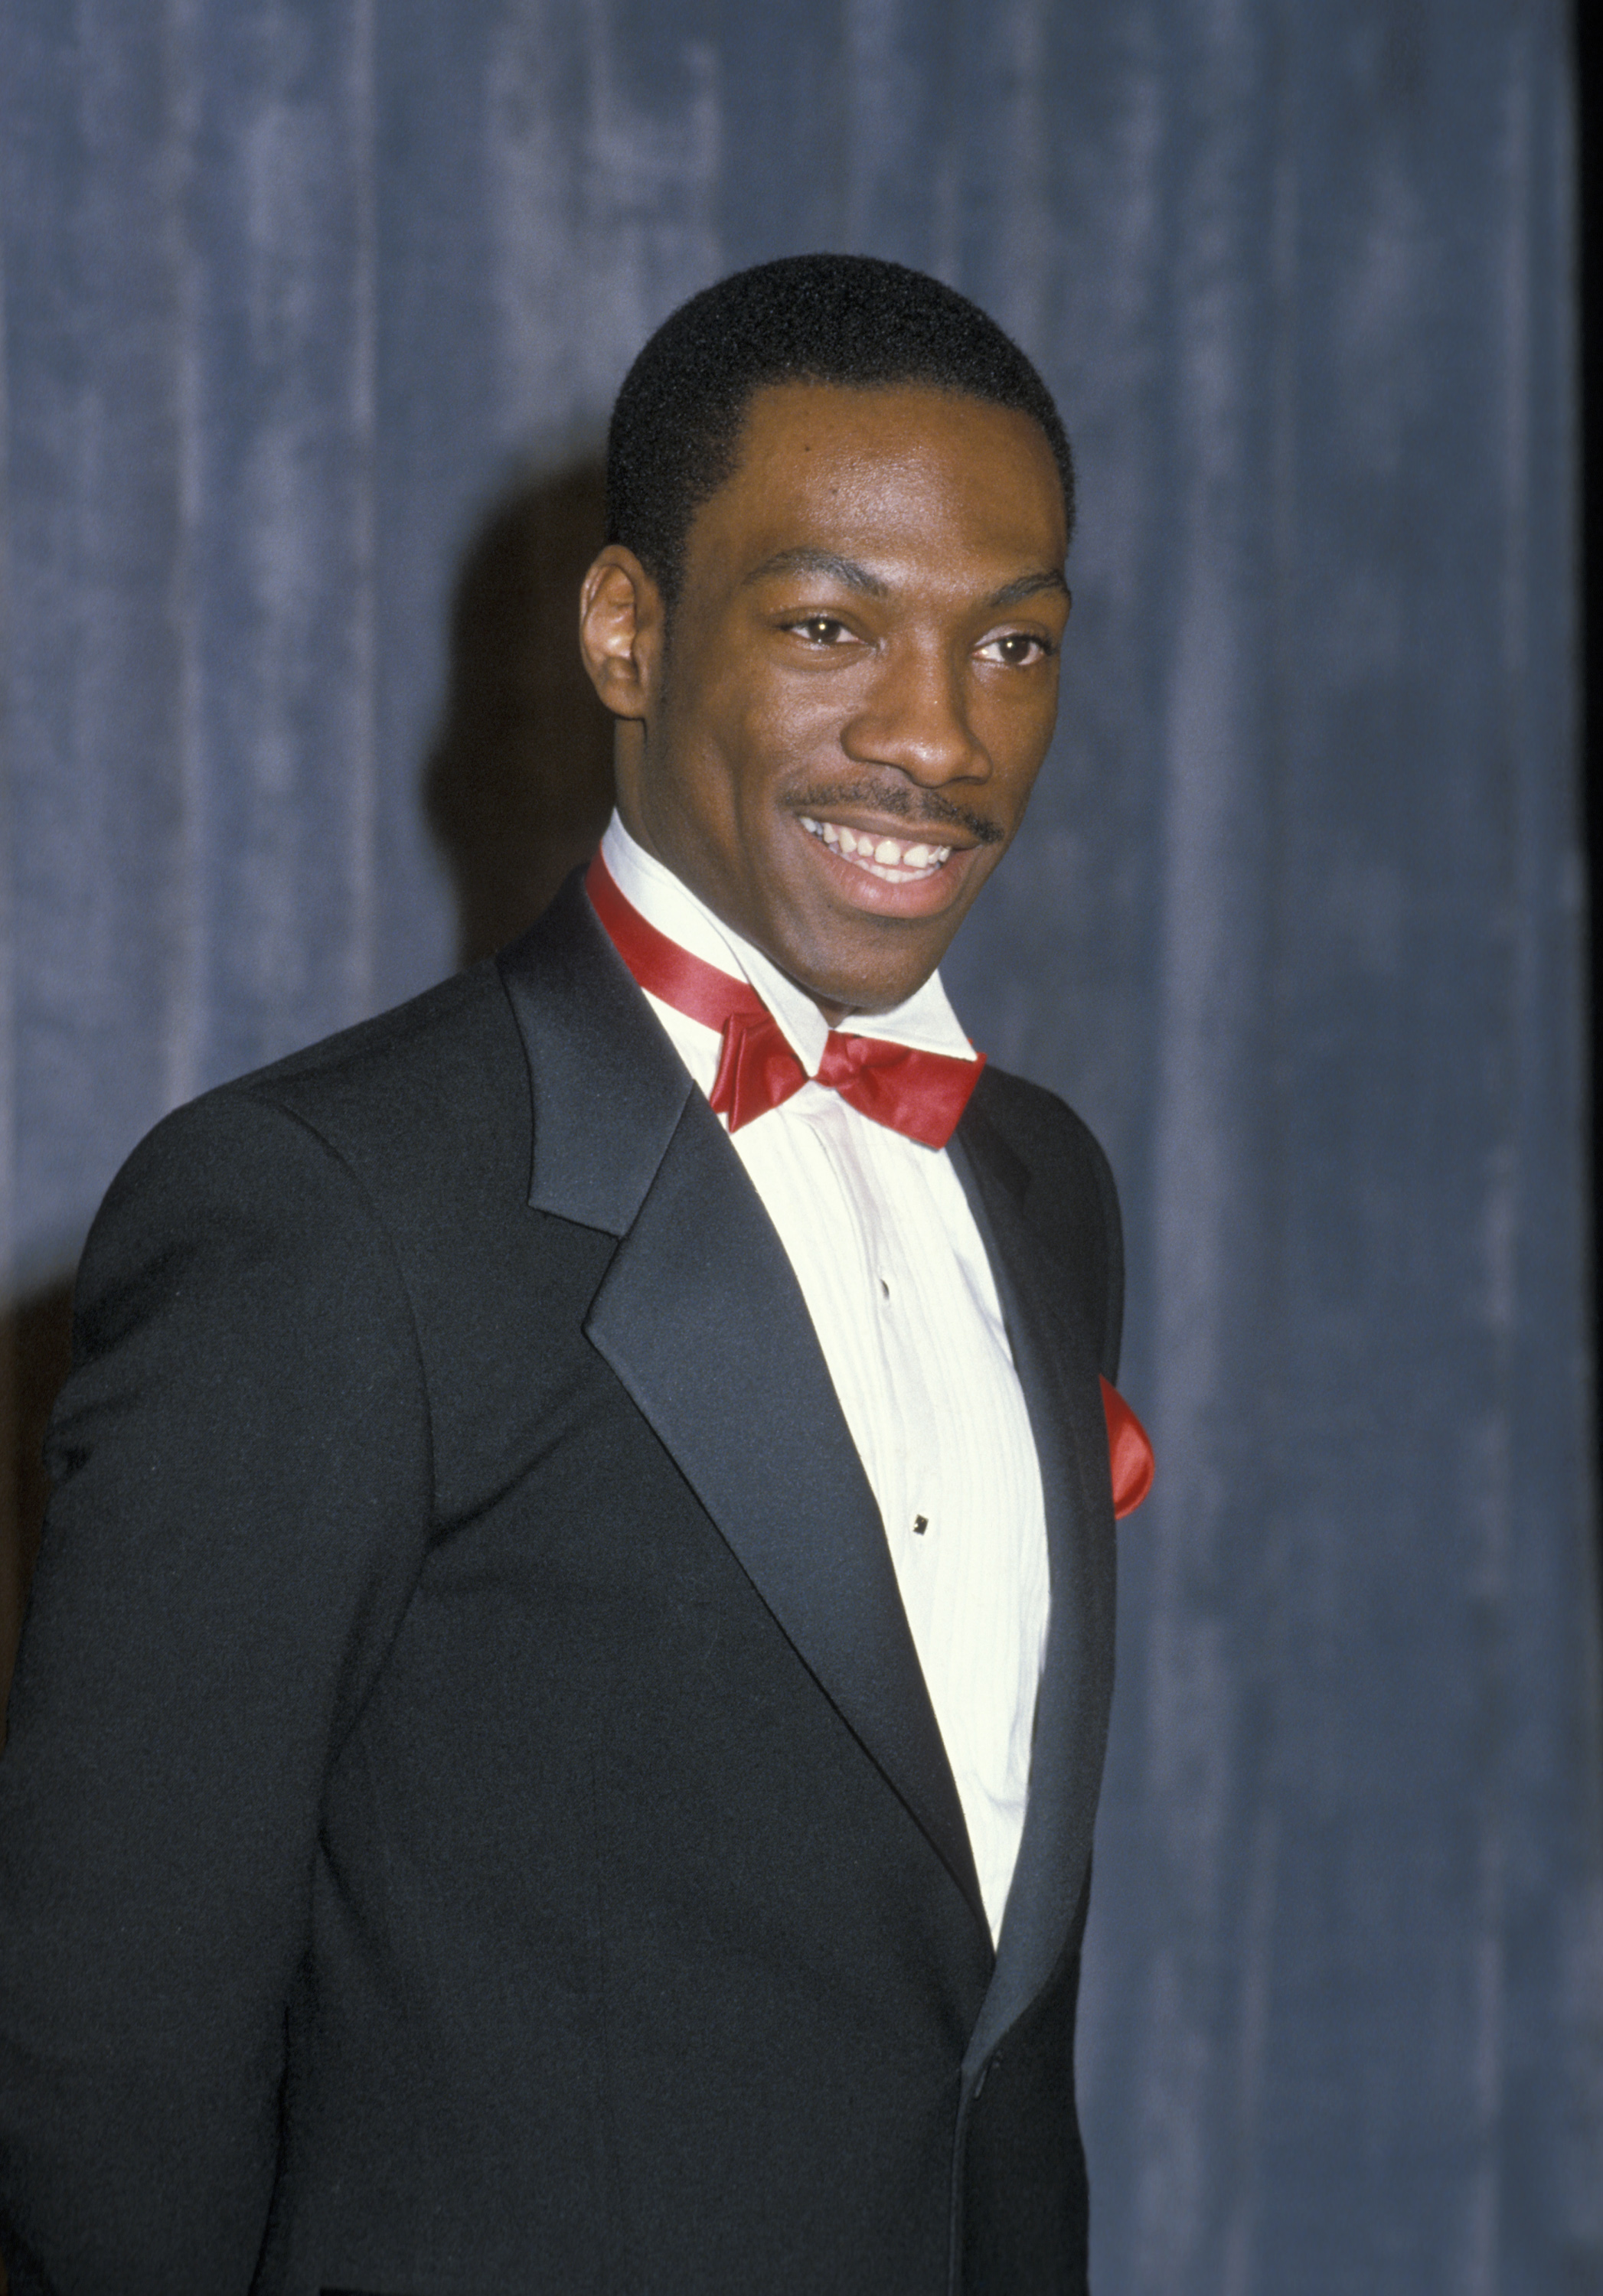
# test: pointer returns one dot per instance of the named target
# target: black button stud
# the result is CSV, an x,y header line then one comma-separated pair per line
x,y
921,1524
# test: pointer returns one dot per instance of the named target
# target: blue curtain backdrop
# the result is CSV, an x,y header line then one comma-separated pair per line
x,y
296,291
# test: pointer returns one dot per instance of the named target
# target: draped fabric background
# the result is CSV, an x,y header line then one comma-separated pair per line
x,y
312,310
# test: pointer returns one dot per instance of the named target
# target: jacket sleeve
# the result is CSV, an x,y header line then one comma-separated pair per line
x,y
242,1494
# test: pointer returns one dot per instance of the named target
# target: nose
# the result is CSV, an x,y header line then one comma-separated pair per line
x,y
915,718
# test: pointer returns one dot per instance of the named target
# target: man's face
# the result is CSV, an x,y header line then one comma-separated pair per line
x,y
837,745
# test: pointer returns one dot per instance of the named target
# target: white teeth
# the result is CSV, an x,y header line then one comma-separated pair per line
x,y
883,856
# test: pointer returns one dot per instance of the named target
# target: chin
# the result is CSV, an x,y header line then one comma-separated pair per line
x,y
865,966
864,988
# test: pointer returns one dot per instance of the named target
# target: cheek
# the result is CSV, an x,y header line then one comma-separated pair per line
x,y
1018,725
766,741
1017,742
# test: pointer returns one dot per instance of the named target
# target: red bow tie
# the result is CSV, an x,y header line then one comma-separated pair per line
x,y
920,1094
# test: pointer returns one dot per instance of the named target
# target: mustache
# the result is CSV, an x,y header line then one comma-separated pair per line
x,y
918,809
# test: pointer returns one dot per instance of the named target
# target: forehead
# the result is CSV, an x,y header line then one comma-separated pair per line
x,y
903,467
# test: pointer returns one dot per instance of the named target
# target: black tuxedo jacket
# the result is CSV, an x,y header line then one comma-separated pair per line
x,y
474,1820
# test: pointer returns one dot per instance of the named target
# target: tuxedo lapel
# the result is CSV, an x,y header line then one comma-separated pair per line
x,y
1057,1372
701,1319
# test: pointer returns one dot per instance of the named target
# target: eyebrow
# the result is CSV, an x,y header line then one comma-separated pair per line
x,y
1030,585
854,575
803,560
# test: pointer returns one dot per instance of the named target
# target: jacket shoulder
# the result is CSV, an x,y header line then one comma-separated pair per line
x,y
421,1060
438,1083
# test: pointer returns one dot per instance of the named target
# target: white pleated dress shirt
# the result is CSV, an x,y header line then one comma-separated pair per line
x,y
902,1299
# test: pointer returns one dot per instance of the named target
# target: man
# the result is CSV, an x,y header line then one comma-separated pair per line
x,y
558,1736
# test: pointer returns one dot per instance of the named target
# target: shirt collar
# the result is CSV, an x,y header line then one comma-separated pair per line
x,y
925,1022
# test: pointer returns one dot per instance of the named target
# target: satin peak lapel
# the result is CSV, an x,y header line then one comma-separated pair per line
x,y
701,1319
1058,1375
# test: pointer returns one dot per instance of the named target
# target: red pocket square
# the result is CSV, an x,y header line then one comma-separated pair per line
x,y
1129,1452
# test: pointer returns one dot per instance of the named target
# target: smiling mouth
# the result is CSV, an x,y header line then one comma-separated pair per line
x,y
898,860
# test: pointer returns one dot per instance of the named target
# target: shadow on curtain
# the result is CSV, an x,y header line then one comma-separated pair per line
x,y
520,783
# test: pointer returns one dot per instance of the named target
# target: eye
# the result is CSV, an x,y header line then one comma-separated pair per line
x,y
820,630
1016,648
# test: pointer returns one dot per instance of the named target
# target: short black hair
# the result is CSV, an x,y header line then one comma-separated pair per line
x,y
852,320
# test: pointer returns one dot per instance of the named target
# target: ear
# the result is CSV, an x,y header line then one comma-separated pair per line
x,y
620,631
